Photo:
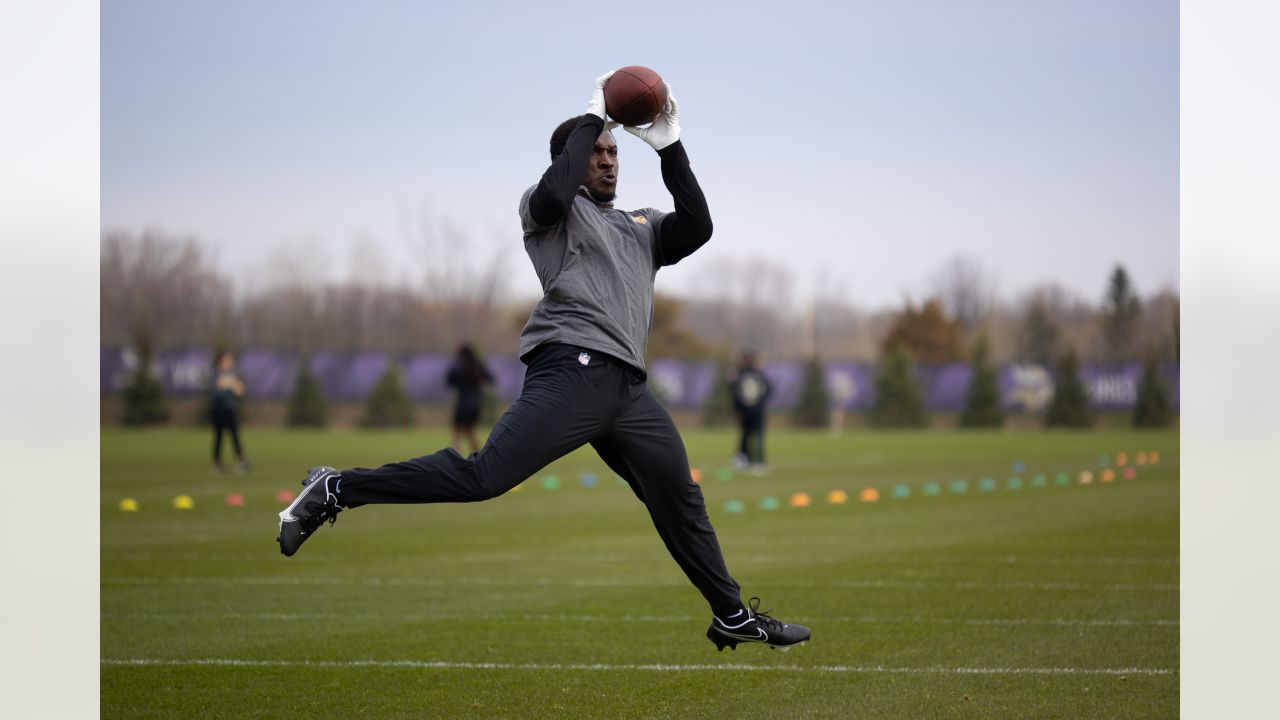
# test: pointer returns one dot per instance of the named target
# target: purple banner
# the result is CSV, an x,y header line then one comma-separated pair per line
x,y
685,385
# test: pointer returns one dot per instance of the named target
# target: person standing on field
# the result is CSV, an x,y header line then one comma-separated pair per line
x,y
750,390
224,407
468,376
584,346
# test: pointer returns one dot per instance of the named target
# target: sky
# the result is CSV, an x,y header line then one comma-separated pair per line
x,y
856,146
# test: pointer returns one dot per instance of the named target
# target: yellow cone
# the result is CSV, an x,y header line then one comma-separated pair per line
x,y
184,502
837,497
801,500
128,505
1108,475
1121,459
696,474
869,495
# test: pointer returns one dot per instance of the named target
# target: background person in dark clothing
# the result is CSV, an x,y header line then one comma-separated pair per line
x,y
224,407
584,345
750,389
468,376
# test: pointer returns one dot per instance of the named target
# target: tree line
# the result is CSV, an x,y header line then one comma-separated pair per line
x,y
162,291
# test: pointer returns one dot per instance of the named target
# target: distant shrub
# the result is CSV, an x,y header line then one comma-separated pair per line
x,y
813,409
144,402
1070,404
899,401
307,405
982,406
1152,408
389,404
717,411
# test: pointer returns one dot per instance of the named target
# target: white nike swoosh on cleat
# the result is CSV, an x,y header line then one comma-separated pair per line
x,y
731,627
287,514
761,636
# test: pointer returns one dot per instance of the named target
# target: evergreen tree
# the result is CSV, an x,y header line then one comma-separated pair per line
x,y
144,402
899,401
982,408
1120,314
717,411
1152,408
389,404
307,405
1038,334
813,409
1070,404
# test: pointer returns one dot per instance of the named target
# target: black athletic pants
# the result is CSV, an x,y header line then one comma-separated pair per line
x,y
752,445
566,403
228,421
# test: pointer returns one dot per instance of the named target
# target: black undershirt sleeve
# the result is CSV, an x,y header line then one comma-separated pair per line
x,y
551,199
689,227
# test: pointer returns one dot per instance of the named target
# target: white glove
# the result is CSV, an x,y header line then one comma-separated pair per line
x,y
665,130
596,106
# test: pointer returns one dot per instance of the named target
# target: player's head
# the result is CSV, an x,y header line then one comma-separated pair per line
x,y
602,171
226,361
747,361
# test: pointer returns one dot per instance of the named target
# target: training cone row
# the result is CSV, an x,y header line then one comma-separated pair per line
x,y
1107,474
185,502
1124,468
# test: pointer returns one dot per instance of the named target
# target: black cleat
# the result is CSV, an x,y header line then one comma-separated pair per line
x,y
313,506
758,627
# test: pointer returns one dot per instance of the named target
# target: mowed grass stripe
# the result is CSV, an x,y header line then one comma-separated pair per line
x,y
447,665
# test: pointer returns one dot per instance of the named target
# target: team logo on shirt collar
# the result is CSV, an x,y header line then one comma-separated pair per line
x,y
640,219
584,358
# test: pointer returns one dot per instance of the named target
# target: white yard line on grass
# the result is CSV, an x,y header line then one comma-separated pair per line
x,y
618,582
730,667
499,558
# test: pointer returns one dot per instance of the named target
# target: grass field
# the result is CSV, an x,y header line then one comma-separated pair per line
x,y
1058,601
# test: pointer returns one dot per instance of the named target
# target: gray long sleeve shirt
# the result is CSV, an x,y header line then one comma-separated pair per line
x,y
597,264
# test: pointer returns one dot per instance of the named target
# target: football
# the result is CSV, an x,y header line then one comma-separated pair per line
x,y
635,95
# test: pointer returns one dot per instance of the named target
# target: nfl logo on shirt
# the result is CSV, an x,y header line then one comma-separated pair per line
x,y
584,358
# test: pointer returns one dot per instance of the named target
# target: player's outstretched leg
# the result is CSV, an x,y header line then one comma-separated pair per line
x,y
317,503
561,407
645,448
753,626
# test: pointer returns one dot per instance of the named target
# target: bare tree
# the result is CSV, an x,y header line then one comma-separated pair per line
x,y
1047,319
160,289
462,278
967,291
746,303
